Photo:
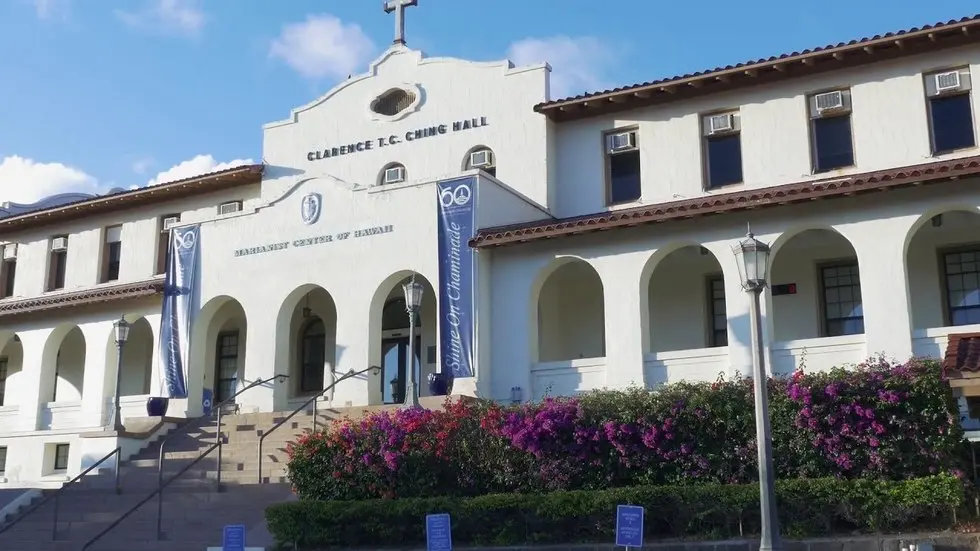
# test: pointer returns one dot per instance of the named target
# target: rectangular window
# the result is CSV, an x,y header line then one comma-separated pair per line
x,y
831,145
843,312
622,167
3,460
58,263
950,112
111,253
717,316
61,457
3,380
227,365
722,149
8,273
962,279
163,240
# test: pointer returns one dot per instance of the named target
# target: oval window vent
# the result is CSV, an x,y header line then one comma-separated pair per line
x,y
393,101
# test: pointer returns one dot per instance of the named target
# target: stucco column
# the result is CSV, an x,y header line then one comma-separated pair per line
x,y
99,378
514,338
880,248
736,309
34,388
355,350
622,309
260,361
154,321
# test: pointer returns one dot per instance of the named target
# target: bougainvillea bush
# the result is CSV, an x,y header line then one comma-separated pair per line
x,y
877,420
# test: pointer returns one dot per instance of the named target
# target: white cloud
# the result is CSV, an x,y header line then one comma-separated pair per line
x,y
51,9
578,63
202,164
174,16
323,46
142,165
24,180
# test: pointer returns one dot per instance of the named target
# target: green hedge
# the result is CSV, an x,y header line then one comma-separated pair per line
x,y
807,507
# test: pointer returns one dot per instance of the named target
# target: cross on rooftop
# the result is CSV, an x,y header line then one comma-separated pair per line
x,y
398,6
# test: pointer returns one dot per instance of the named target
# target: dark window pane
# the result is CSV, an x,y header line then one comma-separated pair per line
x,y
61,457
9,273
952,123
832,143
60,260
719,319
114,253
624,177
963,287
724,160
843,309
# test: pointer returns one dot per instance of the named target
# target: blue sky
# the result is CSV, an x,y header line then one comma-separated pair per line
x,y
102,93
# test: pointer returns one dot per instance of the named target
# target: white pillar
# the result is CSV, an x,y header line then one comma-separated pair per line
x,y
880,248
355,350
99,378
35,384
514,338
736,309
260,359
622,309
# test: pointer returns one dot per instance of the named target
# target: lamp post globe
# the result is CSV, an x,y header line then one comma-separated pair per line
x,y
121,329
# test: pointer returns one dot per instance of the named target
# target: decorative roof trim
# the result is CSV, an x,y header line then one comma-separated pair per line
x,y
187,187
731,202
900,44
962,354
82,297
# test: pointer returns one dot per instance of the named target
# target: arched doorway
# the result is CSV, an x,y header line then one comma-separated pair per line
x,y
394,349
309,314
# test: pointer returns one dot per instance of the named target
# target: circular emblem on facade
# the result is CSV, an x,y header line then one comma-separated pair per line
x,y
310,207
458,196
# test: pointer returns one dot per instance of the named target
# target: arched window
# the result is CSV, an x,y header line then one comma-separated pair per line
x,y
393,173
313,344
481,157
395,316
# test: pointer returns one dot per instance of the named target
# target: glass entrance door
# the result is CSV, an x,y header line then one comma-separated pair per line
x,y
394,360
226,367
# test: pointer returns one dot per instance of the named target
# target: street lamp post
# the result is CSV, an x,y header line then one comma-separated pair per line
x,y
753,264
413,298
122,333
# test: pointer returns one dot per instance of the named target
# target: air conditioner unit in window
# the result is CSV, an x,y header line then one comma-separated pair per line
x,y
170,222
621,142
481,159
229,207
829,101
10,251
721,123
948,81
394,175
59,244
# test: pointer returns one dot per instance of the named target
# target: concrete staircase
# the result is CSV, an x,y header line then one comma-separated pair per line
x,y
194,512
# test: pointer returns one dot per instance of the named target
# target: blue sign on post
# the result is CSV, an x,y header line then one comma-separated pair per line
x,y
207,401
438,533
234,538
629,525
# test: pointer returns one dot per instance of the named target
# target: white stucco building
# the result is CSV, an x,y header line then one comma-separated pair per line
x,y
602,258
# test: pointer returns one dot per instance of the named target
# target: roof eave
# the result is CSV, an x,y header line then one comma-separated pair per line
x,y
808,62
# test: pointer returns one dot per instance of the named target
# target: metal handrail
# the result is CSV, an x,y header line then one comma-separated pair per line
x,y
217,437
197,422
55,496
350,374
153,494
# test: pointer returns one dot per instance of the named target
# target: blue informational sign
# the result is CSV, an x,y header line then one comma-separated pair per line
x,y
438,533
234,538
629,525
457,276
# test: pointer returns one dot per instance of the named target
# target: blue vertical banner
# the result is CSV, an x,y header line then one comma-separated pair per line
x,y
457,275
180,288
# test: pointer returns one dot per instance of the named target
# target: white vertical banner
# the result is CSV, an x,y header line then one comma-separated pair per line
x,y
179,294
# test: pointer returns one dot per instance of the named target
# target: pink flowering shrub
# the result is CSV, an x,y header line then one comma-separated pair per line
x,y
874,421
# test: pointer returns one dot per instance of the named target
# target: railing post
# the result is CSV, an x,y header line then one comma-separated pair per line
x,y
259,458
218,440
116,476
314,414
54,525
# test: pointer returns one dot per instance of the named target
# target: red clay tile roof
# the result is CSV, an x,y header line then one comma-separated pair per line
x,y
962,354
858,52
82,297
187,187
731,202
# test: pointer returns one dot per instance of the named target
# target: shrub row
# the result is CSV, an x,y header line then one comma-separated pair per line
x,y
878,420
807,507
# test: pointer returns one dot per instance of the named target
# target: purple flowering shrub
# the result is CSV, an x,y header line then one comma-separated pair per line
x,y
877,420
